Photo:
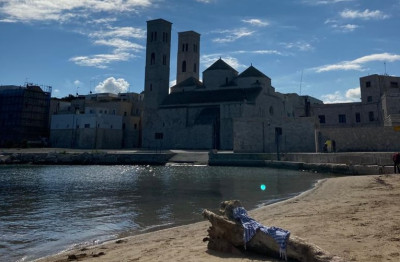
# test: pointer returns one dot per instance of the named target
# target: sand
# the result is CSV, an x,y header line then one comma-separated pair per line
x,y
356,218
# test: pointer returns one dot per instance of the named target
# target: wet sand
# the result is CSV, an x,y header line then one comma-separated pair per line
x,y
356,218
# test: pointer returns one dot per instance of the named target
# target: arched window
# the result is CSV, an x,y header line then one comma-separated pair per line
x,y
195,68
184,66
153,59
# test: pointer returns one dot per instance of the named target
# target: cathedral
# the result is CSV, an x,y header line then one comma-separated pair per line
x,y
227,110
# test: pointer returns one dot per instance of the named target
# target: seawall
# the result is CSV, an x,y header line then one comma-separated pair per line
x,y
357,163
86,158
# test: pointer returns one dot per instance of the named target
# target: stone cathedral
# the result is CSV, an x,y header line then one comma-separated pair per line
x,y
227,110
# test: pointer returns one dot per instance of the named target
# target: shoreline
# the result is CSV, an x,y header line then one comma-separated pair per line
x,y
160,228
352,217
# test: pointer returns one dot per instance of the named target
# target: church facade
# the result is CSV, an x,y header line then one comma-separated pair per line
x,y
227,110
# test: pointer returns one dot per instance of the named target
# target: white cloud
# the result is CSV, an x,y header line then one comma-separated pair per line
x,y
77,83
122,32
256,22
62,10
299,45
345,28
100,60
259,52
357,64
351,95
354,94
114,37
366,14
112,85
204,1
232,35
324,2
120,44
103,20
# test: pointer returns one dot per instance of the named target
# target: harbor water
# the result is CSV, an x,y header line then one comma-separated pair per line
x,y
47,209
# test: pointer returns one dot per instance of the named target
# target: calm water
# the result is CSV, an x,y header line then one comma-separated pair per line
x,y
47,209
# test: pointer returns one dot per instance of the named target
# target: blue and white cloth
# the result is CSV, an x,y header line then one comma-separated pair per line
x,y
250,227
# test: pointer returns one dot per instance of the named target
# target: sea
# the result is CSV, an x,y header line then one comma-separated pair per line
x,y
45,210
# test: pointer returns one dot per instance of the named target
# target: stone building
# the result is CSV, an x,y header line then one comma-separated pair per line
x,y
373,124
97,121
24,115
227,110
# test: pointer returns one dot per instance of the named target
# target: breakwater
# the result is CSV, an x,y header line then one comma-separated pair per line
x,y
86,158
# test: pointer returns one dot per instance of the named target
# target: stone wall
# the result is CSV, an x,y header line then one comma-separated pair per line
x,y
87,138
260,135
361,139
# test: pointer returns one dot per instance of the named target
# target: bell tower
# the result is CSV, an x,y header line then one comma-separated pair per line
x,y
158,49
156,81
188,59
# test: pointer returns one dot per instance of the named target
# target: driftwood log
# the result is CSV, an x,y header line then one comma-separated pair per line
x,y
226,235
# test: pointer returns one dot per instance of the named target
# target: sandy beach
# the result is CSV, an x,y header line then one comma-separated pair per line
x,y
356,218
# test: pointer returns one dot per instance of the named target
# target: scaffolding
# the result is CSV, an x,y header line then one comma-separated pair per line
x,y
24,114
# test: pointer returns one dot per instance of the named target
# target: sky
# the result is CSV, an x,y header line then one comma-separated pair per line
x,y
318,48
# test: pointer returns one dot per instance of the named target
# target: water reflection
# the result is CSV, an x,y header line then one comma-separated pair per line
x,y
44,209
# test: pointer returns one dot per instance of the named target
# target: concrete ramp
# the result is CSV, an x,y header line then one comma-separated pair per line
x,y
189,157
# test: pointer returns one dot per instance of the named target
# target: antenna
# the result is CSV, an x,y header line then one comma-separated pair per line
x,y
384,63
301,79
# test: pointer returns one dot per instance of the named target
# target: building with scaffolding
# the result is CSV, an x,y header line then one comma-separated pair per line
x,y
24,115
97,121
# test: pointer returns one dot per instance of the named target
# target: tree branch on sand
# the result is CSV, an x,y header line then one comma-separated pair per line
x,y
226,235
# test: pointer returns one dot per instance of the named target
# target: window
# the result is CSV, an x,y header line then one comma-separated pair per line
x,y
155,36
369,99
271,110
135,126
195,48
226,80
342,118
321,119
394,84
151,36
368,84
195,68
184,66
358,117
158,136
164,60
371,116
123,126
125,113
153,59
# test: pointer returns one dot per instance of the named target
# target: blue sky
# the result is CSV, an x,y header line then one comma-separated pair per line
x,y
316,47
